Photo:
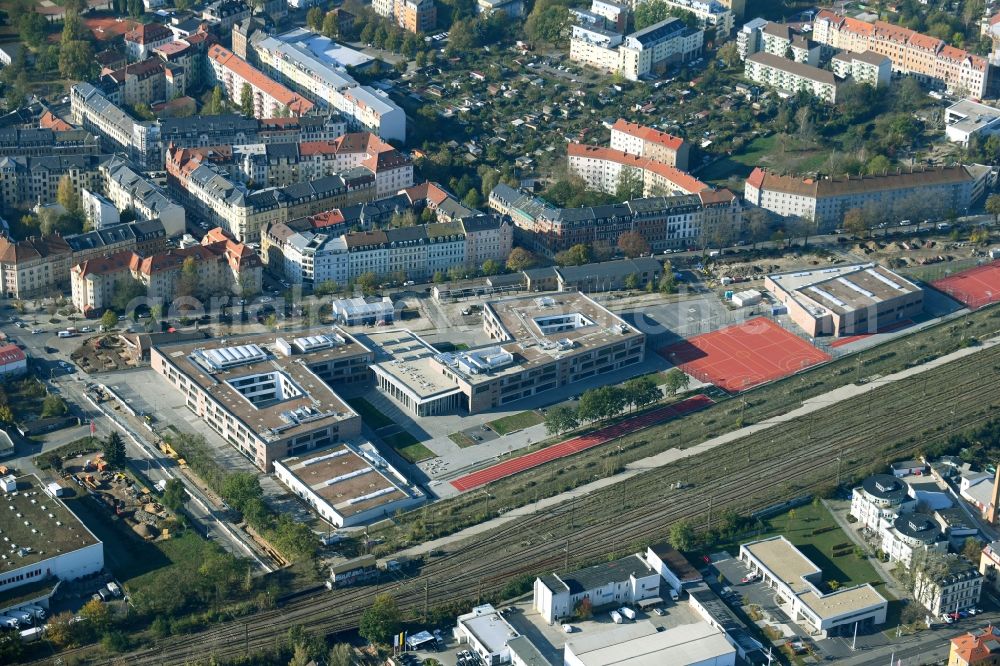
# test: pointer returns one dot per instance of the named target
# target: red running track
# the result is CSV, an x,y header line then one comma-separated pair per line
x,y
577,444
975,287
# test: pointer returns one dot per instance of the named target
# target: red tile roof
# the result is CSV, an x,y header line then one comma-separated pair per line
x,y
680,179
148,33
11,354
53,122
977,646
648,134
104,265
241,68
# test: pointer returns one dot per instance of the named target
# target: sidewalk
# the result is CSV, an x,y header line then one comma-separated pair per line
x,y
883,572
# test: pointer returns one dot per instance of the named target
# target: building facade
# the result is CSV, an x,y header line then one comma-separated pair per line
x,y
825,199
912,53
270,98
790,76
648,142
129,190
299,59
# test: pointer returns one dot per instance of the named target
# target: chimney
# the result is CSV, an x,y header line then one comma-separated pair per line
x,y
992,508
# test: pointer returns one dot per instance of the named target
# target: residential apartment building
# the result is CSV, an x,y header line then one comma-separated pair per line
x,y
129,190
225,266
147,82
299,58
967,118
652,49
98,210
912,53
879,499
26,181
280,164
118,130
602,170
666,223
717,19
93,282
910,533
790,76
416,16
978,647
948,585
785,41
868,67
596,47
140,42
750,37
309,254
270,98
244,213
648,142
825,199
34,266
144,237
224,14
234,129
45,142
642,53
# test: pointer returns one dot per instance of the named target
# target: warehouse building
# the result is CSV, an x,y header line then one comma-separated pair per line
x,y
266,395
363,312
348,485
639,644
45,544
846,300
626,581
487,633
796,582
540,343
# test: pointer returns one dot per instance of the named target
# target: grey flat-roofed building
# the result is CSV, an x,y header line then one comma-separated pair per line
x,y
610,275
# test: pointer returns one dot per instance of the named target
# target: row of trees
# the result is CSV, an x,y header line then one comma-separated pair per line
x,y
607,402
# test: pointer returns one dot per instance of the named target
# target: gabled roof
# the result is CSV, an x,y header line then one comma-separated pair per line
x,y
648,134
297,104
148,33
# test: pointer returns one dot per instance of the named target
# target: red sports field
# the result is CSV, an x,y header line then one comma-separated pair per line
x,y
743,356
577,444
975,287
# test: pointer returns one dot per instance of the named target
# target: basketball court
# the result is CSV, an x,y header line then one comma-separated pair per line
x,y
973,288
743,356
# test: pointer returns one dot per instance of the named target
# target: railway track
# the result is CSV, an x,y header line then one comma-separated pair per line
x,y
756,471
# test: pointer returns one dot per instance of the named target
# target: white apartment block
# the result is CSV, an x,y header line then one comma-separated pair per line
x,y
129,190
298,58
621,582
602,168
652,49
909,533
826,199
868,67
879,499
645,52
100,212
790,76
648,142
716,18
912,53
117,129
595,47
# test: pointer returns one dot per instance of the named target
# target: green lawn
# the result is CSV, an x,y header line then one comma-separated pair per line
x,y
763,151
408,446
516,422
373,418
462,439
800,528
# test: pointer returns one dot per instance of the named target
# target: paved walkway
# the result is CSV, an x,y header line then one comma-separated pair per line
x,y
891,585
673,455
